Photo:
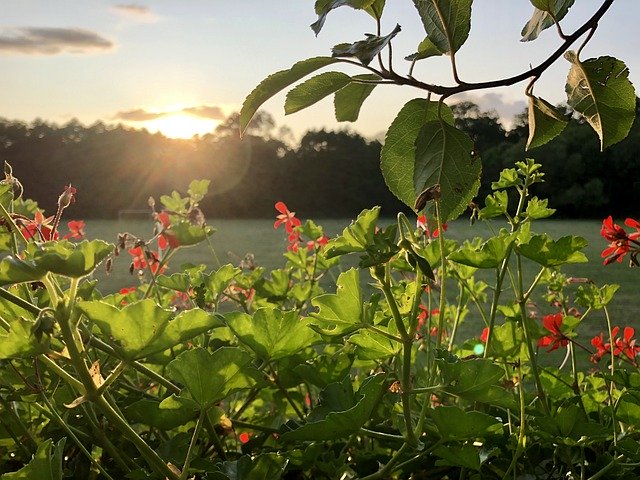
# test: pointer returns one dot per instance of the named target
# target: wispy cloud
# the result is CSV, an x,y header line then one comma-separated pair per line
x,y
211,112
51,41
506,109
133,11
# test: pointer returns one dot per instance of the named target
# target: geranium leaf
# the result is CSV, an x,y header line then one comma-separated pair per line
x,y
398,156
143,328
74,260
187,234
20,341
458,456
357,237
342,423
259,467
209,378
364,50
323,7
219,280
551,253
454,423
14,270
314,90
543,17
374,346
445,157
341,312
271,333
545,122
349,99
447,22
599,89
165,415
275,83
46,464
489,255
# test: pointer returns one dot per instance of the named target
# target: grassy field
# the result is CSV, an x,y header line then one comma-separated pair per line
x,y
234,238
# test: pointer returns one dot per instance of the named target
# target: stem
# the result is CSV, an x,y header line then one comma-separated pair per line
x,y
192,444
443,274
521,435
20,302
405,394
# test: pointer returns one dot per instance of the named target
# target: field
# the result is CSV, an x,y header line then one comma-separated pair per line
x,y
234,238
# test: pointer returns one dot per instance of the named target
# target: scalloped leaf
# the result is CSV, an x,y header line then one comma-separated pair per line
x,y
489,255
543,17
447,22
553,253
74,260
356,237
14,270
364,50
314,90
46,464
397,159
599,89
445,156
545,122
276,82
349,99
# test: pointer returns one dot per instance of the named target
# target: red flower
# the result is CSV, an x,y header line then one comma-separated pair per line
x,y
422,224
602,348
76,230
484,335
612,231
166,239
619,239
286,217
244,437
627,344
39,227
319,243
630,222
139,261
557,339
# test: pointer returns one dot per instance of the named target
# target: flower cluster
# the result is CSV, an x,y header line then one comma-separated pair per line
x,y
291,225
141,259
556,339
423,225
621,242
625,345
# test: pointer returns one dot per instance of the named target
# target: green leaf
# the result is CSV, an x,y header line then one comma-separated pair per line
x,y
341,312
445,157
600,90
543,15
426,49
46,464
275,83
374,346
537,209
267,466
166,415
187,234
343,423
592,296
453,423
349,99
470,378
398,156
507,341
465,456
209,378
198,189
550,253
325,369
74,260
323,7
365,50
20,341
447,22
271,333
357,237
314,90
489,255
219,280
545,122
143,328
14,270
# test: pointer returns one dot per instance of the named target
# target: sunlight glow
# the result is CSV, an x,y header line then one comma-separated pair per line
x,y
180,125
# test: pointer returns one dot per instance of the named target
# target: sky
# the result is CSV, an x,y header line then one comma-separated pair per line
x,y
181,67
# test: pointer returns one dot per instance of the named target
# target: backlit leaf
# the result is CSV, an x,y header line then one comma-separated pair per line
x,y
19,341
15,270
46,464
357,237
599,89
349,99
447,22
72,259
314,90
489,255
275,83
426,49
341,312
323,7
543,15
364,50
454,423
545,122
374,346
551,253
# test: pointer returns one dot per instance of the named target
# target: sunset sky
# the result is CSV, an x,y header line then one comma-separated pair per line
x,y
182,66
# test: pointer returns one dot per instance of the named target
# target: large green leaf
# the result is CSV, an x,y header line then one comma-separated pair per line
x,y
169,414
20,341
343,423
545,122
489,255
272,333
46,464
426,49
267,466
211,377
454,423
349,99
458,456
357,237
445,157
553,253
276,82
187,234
543,17
14,270
600,90
143,328
398,156
365,50
72,260
323,7
447,22
314,90
374,346
341,312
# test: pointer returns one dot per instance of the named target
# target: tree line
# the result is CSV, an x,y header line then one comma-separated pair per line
x,y
327,174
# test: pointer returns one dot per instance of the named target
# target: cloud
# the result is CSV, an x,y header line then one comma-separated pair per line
x,y
137,12
205,111
211,112
51,41
506,109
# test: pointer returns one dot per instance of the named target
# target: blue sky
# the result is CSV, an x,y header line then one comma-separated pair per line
x,y
198,59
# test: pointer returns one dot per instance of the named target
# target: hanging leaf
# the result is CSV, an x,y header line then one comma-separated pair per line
x,y
447,22
349,99
426,49
543,17
599,89
364,50
545,122
314,90
397,159
275,83
445,157
323,7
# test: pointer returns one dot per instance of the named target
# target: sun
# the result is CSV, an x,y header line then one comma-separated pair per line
x,y
180,125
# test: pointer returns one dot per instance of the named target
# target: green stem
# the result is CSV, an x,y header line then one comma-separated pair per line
x,y
521,433
383,473
58,370
393,306
405,393
259,428
379,331
456,321
29,446
192,444
215,438
443,274
20,302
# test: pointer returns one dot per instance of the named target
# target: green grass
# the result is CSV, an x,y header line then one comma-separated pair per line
x,y
234,238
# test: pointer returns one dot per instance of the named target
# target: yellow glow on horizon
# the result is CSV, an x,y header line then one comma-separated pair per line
x,y
180,125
